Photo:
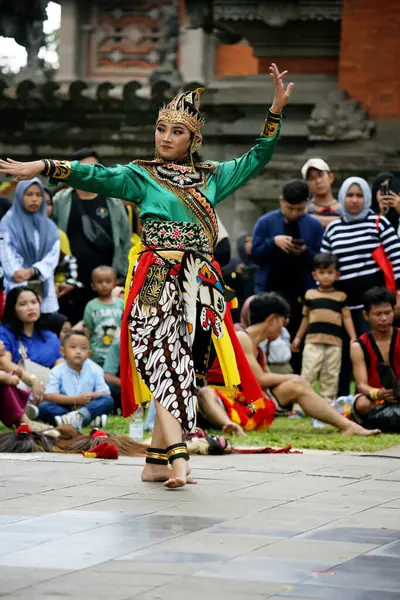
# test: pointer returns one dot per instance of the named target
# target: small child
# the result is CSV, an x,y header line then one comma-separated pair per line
x,y
76,392
324,314
103,315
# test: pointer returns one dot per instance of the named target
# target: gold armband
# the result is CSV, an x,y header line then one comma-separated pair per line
x,y
271,124
57,169
373,394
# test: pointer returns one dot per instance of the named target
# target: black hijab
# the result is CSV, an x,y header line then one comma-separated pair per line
x,y
394,184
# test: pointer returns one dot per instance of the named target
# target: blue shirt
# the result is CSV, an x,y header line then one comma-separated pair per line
x,y
43,348
263,249
68,382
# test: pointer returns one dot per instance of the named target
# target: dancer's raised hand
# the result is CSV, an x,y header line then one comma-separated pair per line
x,y
21,170
281,97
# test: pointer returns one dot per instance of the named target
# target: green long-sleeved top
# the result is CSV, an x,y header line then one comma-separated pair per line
x,y
133,183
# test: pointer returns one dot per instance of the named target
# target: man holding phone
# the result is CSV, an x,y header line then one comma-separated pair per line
x,y
285,242
386,198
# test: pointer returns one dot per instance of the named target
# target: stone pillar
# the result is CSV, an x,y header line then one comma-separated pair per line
x,y
192,54
69,42
370,55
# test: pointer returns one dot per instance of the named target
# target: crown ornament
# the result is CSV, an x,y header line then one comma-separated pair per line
x,y
185,109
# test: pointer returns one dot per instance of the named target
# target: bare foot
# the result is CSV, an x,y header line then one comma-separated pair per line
x,y
177,477
233,428
355,429
155,472
163,473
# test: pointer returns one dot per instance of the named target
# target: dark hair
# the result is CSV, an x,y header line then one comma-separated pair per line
x,y
10,316
376,296
12,441
74,332
324,260
196,157
85,153
104,268
265,304
296,191
47,191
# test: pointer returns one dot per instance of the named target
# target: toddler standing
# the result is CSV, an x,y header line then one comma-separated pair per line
x,y
103,315
325,312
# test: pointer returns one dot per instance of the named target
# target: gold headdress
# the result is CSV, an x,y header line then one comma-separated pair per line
x,y
185,109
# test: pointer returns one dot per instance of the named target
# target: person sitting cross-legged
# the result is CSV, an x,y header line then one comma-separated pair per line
x,y
376,365
268,313
76,392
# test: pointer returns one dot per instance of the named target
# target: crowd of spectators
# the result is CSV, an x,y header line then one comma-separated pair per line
x,y
64,258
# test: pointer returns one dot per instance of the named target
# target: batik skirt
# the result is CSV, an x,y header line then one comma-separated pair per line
x,y
176,302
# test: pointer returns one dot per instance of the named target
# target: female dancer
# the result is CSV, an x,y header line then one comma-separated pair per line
x,y
175,301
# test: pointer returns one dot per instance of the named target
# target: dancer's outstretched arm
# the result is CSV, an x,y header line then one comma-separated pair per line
x,y
122,181
235,173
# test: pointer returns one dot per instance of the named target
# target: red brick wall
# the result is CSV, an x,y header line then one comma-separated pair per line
x,y
235,60
301,65
370,55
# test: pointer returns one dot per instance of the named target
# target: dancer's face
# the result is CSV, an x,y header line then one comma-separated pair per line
x,y
172,140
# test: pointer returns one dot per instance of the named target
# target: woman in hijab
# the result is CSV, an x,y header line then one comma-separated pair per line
x,y
353,239
388,204
29,244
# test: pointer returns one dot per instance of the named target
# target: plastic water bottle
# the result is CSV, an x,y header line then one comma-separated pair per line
x,y
136,427
150,417
343,403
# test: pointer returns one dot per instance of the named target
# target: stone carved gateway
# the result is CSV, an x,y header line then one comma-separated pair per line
x,y
131,39
339,118
116,113
272,12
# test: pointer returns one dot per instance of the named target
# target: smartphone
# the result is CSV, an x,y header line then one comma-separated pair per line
x,y
298,242
384,189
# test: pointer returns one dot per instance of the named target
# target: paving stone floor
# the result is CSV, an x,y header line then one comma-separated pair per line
x,y
317,525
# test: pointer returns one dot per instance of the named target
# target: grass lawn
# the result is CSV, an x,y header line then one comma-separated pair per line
x,y
298,432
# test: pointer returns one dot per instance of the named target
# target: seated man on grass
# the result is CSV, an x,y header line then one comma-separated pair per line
x,y
268,312
376,365
76,393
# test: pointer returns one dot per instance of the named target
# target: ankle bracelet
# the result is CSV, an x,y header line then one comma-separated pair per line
x,y
177,451
156,456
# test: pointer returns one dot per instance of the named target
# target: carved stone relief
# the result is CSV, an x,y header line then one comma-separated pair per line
x,y
339,118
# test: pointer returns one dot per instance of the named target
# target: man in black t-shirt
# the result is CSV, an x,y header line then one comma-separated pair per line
x,y
99,234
